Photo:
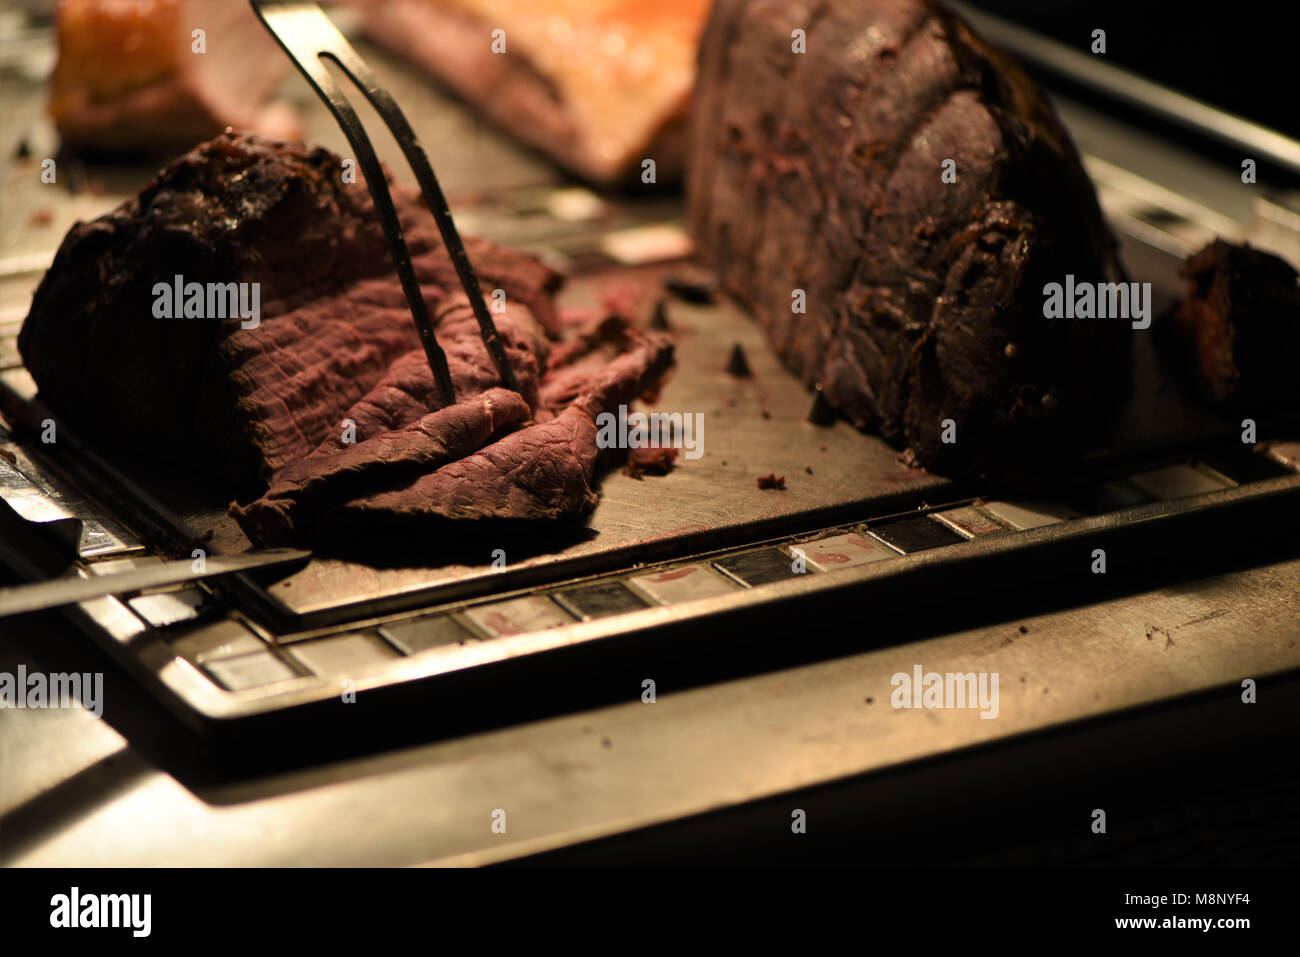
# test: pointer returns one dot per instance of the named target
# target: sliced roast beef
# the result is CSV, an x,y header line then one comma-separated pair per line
x,y
243,402
822,180
491,456
1236,334
542,472
333,475
328,396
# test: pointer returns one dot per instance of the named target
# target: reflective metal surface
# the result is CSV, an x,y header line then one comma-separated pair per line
x,y
630,764
139,787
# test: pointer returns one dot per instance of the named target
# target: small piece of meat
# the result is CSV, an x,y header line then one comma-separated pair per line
x,y
771,480
132,76
1236,335
818,179
738,364
821,412
650,460
598,85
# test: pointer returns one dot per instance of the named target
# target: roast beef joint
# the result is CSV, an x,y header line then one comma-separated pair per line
x,y
818,179
323,413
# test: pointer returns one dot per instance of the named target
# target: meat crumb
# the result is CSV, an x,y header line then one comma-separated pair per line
x,y
738,363
908,457
822,412
41,217
652,460
772,481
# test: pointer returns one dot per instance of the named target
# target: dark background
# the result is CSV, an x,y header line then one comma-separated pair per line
x,y
1242,57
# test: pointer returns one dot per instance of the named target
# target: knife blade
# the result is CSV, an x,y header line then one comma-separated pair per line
x,y
20,599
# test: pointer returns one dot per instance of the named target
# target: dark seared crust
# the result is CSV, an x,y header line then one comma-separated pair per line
x,y
1236,335
821,172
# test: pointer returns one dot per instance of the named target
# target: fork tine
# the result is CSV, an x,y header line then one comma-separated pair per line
x,y
304,32
307,35
351,63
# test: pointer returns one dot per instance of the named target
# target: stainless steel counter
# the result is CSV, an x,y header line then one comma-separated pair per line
x,y
134,788
75,792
